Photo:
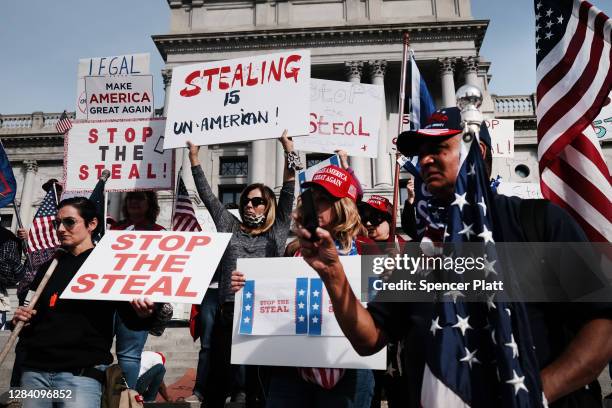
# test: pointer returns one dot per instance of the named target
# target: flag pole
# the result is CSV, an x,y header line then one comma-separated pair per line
x,y
105,210
20,225
402,97
174,197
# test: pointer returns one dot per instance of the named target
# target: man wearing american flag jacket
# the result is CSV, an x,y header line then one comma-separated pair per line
x,y
478,354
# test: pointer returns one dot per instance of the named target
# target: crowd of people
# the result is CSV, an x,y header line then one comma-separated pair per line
x,y
67,343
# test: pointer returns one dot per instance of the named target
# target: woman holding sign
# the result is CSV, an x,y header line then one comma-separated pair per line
x,y
330,202
262,233
67,342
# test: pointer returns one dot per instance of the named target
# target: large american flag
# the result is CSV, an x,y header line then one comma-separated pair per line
x,y
574,79
472,356
184,215
63,124
42,234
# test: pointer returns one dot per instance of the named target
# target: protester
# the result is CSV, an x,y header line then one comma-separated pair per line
x,y
569,342
68,342
334,198
140,211
262,233
11,270
151,376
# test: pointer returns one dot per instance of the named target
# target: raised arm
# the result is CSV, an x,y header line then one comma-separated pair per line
x,y
287,143
223,219
356,323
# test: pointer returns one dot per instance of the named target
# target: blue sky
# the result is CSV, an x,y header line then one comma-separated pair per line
x,y
41,42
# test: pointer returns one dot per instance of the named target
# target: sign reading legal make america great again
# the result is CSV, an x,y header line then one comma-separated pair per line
x,y
165,266
119,97
239,100
133,64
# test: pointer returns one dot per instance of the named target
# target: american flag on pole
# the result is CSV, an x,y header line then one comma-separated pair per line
x,y
421,105
64,124
574,78
184,215
42,234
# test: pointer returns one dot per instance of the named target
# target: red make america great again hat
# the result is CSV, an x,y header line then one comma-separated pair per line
x,y
336,181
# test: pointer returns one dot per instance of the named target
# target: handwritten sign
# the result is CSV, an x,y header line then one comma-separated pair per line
x,y
319,341
133,64
130,149
502,136
522,190
165,266
119,97
239,100
343,116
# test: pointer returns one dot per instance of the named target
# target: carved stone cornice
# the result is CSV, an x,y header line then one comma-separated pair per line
x,y
353,69
447,65
378,68
319,37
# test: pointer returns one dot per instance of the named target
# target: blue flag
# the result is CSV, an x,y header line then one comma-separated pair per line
x,y
8,185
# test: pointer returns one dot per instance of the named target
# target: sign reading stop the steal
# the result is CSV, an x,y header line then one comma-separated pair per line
x,y
164,266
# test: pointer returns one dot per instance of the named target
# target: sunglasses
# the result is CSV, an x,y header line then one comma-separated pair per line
x,y
256,201
67,222
375,219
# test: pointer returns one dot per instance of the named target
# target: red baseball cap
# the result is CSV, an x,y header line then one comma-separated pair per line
x,y
336,181
442,124
380,203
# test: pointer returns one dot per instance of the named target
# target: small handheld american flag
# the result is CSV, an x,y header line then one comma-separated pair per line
x,y
184,215
42,235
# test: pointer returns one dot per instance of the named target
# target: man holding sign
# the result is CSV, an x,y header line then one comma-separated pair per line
x,y
68,342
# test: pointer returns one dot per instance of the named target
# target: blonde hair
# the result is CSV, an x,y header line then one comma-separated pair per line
x,y
346,222
270,211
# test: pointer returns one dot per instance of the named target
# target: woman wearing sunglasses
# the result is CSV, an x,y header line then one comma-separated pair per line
x,y
67,342
262,233
334,196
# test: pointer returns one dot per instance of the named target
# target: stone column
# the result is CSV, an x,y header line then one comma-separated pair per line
x,y
257,162
470,65
447,79
378,68
27,192
360,165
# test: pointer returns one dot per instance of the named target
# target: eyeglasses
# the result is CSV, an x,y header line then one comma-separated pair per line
x,y
256,201
67,222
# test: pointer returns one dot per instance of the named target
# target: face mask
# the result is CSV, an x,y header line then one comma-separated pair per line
x,y
253,221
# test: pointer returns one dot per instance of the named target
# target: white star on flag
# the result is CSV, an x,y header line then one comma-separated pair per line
x,y
513,346
435,326
460,201
315,319
472,171
486,235
301,305
490,303
470,357
517,382
315,293
454,294
247,308
247,319
489,267
462,324
549,12
315,306
248,295
560,20
301,318
467,231
483,205
301,292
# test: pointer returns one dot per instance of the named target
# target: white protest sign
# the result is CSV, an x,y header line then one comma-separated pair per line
x,y
343,116
317,336
522,190
130,149
132,64
239,100
502,136
119,97
165,266
306,174
602,125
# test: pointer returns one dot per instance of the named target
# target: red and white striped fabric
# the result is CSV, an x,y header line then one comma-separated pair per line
x,y
42,234
184,215
325,377
574,76
63,124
